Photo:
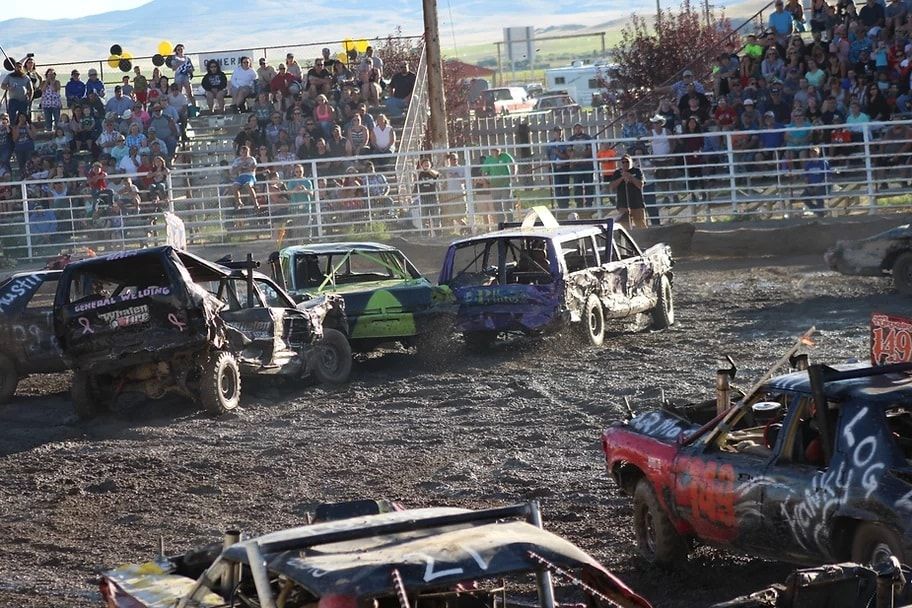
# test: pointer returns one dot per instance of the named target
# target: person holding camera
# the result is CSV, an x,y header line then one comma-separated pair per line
x,y
627,182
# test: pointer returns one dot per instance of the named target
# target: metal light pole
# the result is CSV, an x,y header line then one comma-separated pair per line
x,y
436,100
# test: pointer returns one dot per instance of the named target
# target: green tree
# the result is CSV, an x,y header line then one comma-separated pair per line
x,y
653,53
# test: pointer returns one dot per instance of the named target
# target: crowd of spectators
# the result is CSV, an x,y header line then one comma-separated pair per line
x,y
85,129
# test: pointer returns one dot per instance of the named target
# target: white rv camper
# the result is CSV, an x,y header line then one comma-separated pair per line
x,y
581,80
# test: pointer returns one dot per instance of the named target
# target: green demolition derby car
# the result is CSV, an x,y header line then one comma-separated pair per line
x,y
386,298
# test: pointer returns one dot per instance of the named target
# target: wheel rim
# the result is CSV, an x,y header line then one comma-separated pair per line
x,y
649,529
880,553
227,385
595,323
669,303
328,359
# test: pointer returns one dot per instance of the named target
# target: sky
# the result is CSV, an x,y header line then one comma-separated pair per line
x,y
67,9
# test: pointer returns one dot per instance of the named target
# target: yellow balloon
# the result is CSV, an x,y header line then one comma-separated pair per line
x,y
127,55
165,48
114,61
348,44
342,57
361,45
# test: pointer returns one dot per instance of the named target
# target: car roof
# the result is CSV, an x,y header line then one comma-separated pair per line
x,y
556,233
327,248
877,388
451,553
44,274
199,268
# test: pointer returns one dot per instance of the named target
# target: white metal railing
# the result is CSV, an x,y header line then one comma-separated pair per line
x,y
413,130
870,174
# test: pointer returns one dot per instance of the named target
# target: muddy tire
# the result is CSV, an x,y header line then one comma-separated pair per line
x,y
657,540
479,341
874,544
902,273
87,399
333,358
220,383
663,315
9,378
592,323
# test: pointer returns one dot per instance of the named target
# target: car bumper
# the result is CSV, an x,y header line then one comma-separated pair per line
x,y
510,319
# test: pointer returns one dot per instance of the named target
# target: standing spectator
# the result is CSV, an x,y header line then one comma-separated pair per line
x,y
183,72
24,141
893,154
215,84
301,202
165,128
663,161
632,128
6,143
31,72
680,88
797,11
375,61
51,104
242,84
781,23
19,93
400,90
319,79
692,146
499,167
627,182
816,172
94,85
75,89
127,88
872,14
140,86
426,186
243,169
559,156
583,167
452,198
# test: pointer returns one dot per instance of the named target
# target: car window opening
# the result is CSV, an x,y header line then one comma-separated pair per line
x,y
519,260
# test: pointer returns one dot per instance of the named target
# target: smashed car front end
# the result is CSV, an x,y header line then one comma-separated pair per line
x,y
872,256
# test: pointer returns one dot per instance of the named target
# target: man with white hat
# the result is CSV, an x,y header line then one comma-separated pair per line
x,y
663,148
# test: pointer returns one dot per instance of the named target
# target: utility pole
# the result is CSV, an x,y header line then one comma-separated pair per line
x,y
436,100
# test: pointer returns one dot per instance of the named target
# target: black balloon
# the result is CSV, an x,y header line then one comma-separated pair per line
x,y
125,65
169,60
116,50
8,65
158,60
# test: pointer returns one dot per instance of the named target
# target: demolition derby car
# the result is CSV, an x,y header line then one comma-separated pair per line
x,y
386,298
813,466
887,253
162,320
419,558
27,328
533,279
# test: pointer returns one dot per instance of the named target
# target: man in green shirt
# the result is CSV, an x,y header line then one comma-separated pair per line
x,y
499,168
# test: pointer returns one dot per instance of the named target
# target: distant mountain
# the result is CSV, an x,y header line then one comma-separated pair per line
x,y
246,24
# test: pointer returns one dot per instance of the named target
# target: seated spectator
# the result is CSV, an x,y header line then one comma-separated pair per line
x,y
358,137
120,148
215,85
120,103
366,118
242,84
248,136
108,138
131,161
855,121
725,115
243,169
319,80
166,129
292,67
324,115
383,136
338,145
877,108
75,89
272,130
304,144
375,61
265,73
695,109
281,81
750,117
400,90
772,66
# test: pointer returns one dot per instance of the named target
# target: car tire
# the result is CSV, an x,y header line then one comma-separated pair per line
x,y
479,340
9,378
902,273
333,363
593,321
874,543
87,399
220,384
657,540
663,315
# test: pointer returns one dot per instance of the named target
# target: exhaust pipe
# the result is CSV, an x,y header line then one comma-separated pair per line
x,y
233,574
723,390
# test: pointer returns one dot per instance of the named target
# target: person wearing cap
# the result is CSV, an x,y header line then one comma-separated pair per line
x,y
292,67
817,178
778,104
627,184
242,84
328,62
75,89
94,85
750,118
680,88
559,154
19,93
781,22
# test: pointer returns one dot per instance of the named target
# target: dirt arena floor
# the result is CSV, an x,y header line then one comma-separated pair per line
x,y
520,422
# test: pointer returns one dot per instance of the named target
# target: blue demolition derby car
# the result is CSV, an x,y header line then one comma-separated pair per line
x,y
532,279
